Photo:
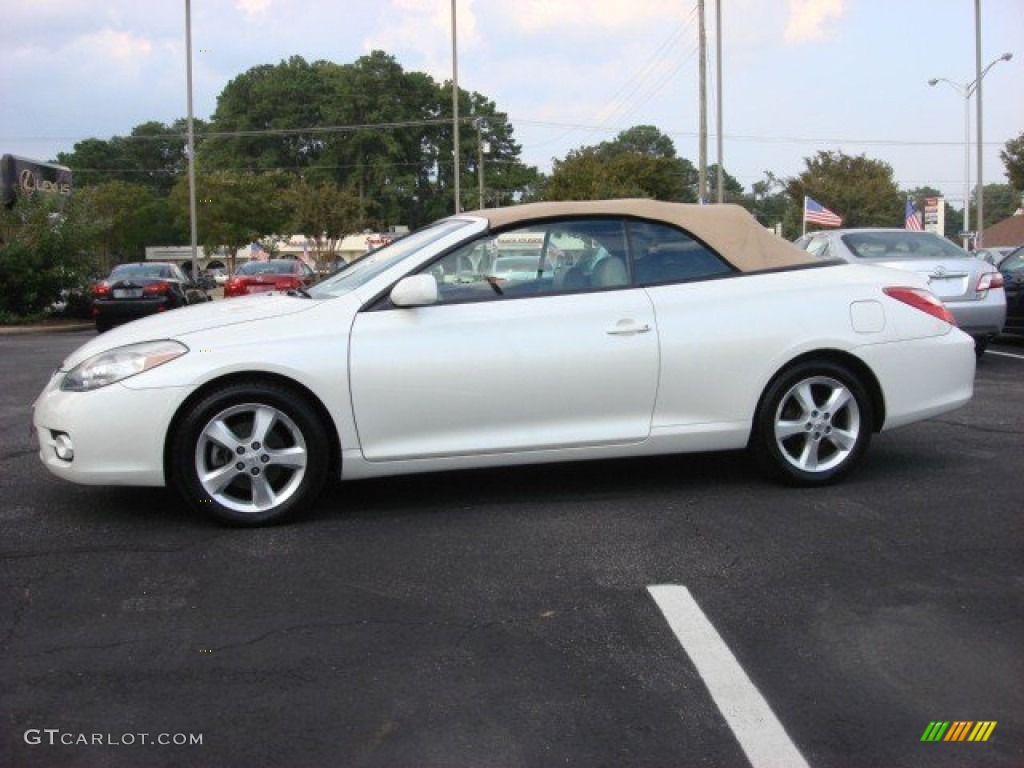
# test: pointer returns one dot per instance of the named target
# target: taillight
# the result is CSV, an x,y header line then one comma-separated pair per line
x,y
161,287
100,289
989,280
923,300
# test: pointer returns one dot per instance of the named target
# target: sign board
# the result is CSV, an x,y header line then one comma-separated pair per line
x,y
19,174
935,215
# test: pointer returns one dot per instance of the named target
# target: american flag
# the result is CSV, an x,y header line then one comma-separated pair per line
x,y
913,218
819,214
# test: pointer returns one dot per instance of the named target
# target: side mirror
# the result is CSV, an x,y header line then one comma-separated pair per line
x,y
414,291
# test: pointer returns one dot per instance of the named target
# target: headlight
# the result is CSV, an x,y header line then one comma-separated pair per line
x,y
118,364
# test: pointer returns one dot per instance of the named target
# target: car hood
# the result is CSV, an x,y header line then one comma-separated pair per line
x,y
198,317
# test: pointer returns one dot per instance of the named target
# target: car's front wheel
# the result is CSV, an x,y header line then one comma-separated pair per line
x,y
250,454
813,424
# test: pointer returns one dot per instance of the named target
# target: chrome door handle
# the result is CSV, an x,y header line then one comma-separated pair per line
x,y
628,328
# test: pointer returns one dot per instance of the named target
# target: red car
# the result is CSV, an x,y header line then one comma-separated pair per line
x,y
273,275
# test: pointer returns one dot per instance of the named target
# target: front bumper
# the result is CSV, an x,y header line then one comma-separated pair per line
x,y
117,433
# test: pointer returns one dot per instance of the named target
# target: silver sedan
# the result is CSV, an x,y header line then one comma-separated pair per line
x,y
971,288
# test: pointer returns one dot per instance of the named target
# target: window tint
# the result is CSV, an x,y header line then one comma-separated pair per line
x,y
566,256
1013,262
817,246
663,254
902,245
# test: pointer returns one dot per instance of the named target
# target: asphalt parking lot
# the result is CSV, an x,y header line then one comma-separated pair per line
x,y
507,618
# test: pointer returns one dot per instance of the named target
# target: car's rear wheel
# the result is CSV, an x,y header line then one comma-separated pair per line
x,y
250,454
813,424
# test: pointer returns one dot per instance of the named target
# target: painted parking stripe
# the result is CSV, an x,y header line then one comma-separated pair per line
x,y
759,732
1017,356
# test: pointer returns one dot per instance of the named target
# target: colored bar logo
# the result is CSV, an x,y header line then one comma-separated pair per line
x,y
958,730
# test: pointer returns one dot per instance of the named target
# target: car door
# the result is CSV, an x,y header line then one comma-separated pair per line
x,y
503,364
1013,276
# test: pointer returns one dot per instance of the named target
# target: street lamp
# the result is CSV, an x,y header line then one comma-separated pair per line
x,y
966,90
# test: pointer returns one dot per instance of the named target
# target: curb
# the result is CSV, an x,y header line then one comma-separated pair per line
x,y
24,330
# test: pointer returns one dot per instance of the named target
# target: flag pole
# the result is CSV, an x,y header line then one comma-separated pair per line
x,y
803,218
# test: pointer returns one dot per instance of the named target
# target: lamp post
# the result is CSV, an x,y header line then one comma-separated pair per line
x,y
966,90
455,111
193,226
481,147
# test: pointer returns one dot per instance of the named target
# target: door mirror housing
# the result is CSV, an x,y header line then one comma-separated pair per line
x,y
415,291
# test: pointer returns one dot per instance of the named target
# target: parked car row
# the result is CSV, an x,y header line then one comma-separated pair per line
x,y
140,289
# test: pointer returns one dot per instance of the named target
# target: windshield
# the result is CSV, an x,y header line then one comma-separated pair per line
x,y
125,271
364,269
902,245
267,268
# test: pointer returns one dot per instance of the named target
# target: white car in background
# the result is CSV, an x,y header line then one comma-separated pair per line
x,y
643,328
971,288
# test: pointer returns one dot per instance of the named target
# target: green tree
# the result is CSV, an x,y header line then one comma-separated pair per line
x,y
126,218
324,214
234,209
771,206
374,130
153,155
44,248
1001,200
857,188
732,189
1012,156
639,162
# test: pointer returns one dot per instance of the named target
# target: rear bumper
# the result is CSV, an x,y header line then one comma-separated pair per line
x,y
129,309
923,378
983,317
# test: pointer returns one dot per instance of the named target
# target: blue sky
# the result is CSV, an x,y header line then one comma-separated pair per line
x,y
798,75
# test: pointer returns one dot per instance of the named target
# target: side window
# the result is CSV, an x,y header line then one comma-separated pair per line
x,y
553,257
818,246
663,254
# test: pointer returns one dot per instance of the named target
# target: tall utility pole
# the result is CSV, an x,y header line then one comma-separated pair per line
x,y
191,141
481,145
702,96
978,76
720,197
455,111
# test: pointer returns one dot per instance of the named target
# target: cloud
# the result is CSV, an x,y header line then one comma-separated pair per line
x,y
123,46
537,15
809,20
423,28
253,9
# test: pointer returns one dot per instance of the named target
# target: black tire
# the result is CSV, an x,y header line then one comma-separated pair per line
x,y
799,437
102,326
250,454
980,345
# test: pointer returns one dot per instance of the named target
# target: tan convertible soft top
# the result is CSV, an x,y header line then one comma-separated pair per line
x,y
728,229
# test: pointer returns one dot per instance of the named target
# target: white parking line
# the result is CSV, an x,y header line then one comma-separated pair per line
x,y
759,732
1004,354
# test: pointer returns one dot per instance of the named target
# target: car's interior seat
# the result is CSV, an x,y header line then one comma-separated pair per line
x,y
609,272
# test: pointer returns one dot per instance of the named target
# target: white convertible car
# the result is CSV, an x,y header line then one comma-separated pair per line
x,y
536,333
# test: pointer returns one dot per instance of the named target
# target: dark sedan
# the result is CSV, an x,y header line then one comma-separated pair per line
x,y
136,290
1012,268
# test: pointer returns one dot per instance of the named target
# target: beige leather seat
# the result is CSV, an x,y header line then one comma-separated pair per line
x,y
609,272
